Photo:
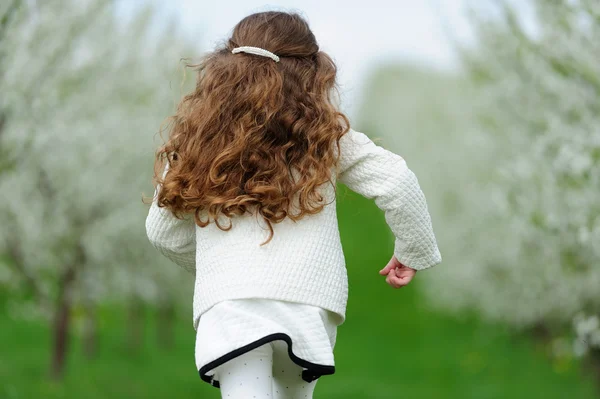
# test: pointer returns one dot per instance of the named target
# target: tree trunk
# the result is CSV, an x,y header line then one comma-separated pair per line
x,y
90,331
593,362
166,322
542,332
61,325
136,321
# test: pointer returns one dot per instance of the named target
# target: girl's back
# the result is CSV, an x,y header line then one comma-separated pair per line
x,y
246,200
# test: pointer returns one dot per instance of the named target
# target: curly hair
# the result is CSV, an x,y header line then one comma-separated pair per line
x,y
255,135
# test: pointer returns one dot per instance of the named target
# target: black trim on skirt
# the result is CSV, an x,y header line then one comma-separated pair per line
x,y
312,372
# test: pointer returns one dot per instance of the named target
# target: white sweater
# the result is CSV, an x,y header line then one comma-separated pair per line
x,y
304,261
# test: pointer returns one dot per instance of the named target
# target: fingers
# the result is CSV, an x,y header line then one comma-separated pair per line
x,y
392,279
405,271
397,274
391,265
396,281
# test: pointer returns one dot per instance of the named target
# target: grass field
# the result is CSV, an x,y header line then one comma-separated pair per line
x,y
391,346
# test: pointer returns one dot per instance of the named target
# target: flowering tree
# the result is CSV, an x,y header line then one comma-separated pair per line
x,y
529,243
510,162
82,95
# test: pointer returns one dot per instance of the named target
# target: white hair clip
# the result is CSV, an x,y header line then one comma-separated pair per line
x,y
256,51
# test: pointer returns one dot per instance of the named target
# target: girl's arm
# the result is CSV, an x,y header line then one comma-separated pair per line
x,y
174,238
379,174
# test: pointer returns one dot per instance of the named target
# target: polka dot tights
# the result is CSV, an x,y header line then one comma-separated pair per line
x,y
266,372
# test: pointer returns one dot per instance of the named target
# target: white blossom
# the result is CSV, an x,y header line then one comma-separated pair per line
x,y
587,333
526,247
83,97
509,159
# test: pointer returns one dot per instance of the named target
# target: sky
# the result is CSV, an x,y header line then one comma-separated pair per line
x,y
358,34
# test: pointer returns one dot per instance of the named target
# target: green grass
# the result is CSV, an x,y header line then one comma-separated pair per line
x,y
391,346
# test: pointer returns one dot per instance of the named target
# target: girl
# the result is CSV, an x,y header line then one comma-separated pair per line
x,y
246,202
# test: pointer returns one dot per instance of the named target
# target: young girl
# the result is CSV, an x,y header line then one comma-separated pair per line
x,y
246,202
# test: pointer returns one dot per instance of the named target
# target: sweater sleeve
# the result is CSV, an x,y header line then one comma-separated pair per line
x,y
174,238
384,176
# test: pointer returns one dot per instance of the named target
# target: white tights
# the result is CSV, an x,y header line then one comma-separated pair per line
x,y
263,373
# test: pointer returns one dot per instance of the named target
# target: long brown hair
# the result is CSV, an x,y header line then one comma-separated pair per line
x,y
255,133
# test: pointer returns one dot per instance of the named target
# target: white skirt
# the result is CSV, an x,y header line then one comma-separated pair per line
x,y
233,327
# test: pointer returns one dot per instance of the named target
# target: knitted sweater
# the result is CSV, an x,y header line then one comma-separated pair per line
x,y
304,261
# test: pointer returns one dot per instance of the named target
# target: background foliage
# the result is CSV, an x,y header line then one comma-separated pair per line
x,y
507,151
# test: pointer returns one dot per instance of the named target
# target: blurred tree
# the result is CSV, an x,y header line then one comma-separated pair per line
x,y
82,92
510,160
7,13
527,248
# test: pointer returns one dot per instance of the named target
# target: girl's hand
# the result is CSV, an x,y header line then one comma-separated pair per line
x,y
397,274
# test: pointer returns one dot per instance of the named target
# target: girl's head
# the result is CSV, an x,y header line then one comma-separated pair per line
x,y
255,135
